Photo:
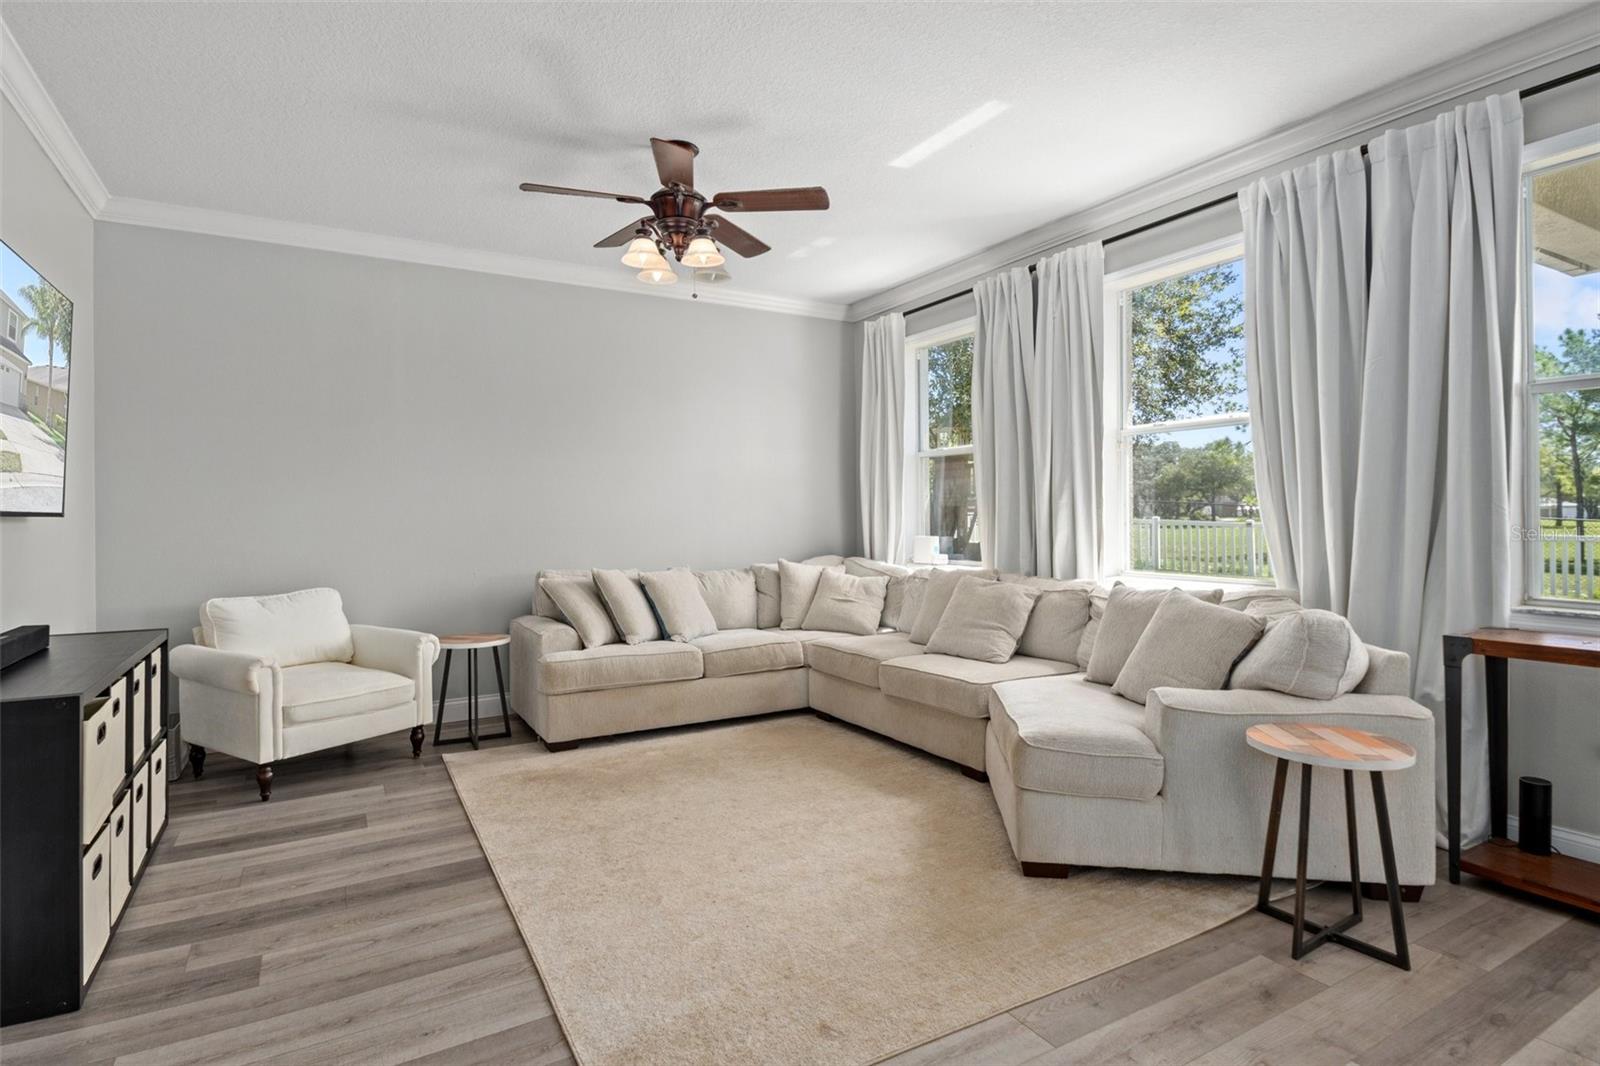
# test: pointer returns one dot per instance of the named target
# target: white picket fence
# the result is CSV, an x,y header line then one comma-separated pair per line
x,y
1570,567
1185,546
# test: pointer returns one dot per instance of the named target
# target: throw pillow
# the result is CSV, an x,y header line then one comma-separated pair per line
x,y
797,584
1188,644
1128,612
1309,653
543,605
769,598
824,560
983,620
1055,628
579,602
911,601
846,604
894,599
1097,610
630,608
941,585
731,595
682,610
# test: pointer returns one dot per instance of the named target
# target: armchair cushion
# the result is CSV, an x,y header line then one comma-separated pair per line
x,y
316,692
295,627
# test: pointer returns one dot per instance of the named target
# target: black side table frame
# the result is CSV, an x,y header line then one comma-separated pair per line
x,y
1335,931
473,736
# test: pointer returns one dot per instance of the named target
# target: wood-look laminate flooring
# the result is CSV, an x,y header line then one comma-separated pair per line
x,y
354,919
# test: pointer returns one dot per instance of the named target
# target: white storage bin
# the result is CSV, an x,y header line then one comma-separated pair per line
x,y
140,789
96,900
121,853
103,756
158,790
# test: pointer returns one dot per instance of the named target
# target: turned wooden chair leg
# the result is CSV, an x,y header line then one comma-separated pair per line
x,y
264,780
197,760
417,733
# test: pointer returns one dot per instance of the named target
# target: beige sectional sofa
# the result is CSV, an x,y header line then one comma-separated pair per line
x,y
1081,775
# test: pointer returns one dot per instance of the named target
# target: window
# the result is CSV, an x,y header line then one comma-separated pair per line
x,y
1560,532
1181,486
13,324
947,492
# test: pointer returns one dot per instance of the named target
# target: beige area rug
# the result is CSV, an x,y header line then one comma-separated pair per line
x,y
791,891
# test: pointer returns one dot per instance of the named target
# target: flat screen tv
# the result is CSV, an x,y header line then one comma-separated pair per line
x,y
35,362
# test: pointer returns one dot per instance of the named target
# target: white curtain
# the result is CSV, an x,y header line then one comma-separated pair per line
x,y
1067,413
1305,304
1002,361
884,414
1431,547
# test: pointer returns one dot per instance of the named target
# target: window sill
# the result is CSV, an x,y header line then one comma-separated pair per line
x,y
1145,579
1541,618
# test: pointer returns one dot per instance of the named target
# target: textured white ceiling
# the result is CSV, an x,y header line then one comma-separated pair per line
x,y
419,120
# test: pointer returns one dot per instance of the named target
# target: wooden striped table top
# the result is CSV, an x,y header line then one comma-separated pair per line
x,y
460,641
1330,745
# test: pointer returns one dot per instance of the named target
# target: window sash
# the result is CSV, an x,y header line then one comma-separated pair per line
x,y
918,461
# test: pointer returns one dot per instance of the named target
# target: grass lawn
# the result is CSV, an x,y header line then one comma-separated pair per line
x,y
57,437
10,462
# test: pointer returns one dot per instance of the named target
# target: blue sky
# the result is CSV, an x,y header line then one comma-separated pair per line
x,y
1561,302
14,274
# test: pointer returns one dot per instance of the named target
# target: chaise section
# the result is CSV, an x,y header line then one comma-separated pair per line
x,y
858,658
732,652
960,686
1097,748
618,666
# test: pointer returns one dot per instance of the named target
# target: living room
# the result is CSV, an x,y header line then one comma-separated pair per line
x,y
800,533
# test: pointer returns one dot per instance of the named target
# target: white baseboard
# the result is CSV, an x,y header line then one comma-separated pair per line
x,y
455,710
1566,841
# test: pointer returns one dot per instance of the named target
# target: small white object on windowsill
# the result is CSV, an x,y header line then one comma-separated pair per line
x,y
926,550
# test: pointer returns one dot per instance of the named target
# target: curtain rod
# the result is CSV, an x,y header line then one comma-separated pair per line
x,y
1534,90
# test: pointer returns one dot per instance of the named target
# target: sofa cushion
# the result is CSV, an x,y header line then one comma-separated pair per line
x,y
1188,644
1097,611
847,604
308,626
857,658
316,692
579,600
1309,653
618,666
728,652
1055,628
675,594
960,686
984,620
916,588
1128,612
542,603
936,597
1074,738
797,585
731,595
769,596
630,608
894,595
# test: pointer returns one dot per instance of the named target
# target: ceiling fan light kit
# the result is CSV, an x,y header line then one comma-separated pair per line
x,y
679,222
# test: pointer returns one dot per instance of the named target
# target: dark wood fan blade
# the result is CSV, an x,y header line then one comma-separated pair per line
x,y
561,190
674,162
735,239
623,235
810,198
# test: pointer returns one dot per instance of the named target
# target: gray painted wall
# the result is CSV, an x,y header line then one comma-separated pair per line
x,y
425,439
47,564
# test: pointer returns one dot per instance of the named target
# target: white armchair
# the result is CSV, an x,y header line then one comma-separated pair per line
x,y
272,677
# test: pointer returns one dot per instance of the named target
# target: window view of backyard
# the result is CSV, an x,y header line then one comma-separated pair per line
x,y
1186,431
35,359
1565,287
950,500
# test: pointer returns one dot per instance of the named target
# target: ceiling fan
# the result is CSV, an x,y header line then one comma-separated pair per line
x,y
679,221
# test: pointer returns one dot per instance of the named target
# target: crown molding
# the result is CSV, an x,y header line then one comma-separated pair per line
x,y
20,85
151,213
1539,46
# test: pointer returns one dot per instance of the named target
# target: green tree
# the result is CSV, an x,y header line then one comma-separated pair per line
x,y
52,320
1188,345
950,394
1569,423
1201,479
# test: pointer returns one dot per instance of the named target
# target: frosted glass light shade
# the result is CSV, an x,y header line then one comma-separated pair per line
x,y
641,250
662,275
702,252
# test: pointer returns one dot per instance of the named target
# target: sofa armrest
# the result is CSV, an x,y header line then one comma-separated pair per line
x,y
406,652
1236,709
231,671
533,637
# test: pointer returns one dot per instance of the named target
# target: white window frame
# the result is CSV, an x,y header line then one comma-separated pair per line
x,y
1118,449
13,324
1532,608
917,346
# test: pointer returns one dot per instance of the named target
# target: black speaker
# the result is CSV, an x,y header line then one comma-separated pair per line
x,y
1533,816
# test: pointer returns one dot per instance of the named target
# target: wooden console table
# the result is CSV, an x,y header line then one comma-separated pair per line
x,y
1558,877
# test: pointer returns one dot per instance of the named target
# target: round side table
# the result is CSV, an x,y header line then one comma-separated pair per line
x,y
1312,744
471,643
